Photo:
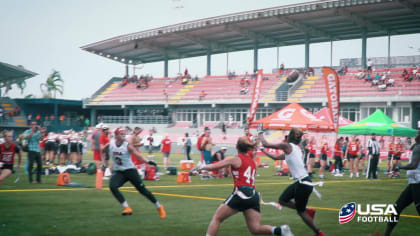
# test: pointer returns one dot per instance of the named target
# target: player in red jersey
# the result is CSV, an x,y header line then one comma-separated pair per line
x,y
399,149
244,197
324,156
312,151
352,151
8,149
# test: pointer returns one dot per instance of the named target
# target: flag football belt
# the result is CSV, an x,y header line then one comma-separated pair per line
x,y
242,195
305,182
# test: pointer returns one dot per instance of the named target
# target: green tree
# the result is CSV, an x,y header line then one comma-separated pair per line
x,y
53,85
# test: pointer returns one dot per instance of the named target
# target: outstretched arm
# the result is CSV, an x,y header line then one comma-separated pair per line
x,y
138,155
283,146
235,162
273,156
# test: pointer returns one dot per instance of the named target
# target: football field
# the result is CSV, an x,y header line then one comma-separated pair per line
x,y
47,209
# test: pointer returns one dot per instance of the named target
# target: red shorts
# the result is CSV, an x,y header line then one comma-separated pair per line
x,y
96,155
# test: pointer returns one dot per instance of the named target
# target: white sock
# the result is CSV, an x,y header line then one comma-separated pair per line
x,y
157,204
125,204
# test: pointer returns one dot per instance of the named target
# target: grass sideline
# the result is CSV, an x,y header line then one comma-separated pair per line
x,y
47,209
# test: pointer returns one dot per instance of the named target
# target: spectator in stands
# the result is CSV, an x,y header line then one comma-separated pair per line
x,y
186,72
417,74
368,78
405,75
361,75
133,79
247,82
389,82
242,82
383,79
185,80
346,70
369,65
16,111
382,87
165,94
281,69
195,78
124,81
311,71
2,114
231,75
244,91
202,95
415,70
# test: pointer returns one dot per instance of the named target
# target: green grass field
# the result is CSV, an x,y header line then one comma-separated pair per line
x,y
46,209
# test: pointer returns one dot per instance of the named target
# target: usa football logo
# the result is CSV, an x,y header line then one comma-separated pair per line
x,y
347,213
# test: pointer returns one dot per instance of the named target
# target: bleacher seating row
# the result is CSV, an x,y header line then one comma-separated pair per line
x,y
161,89
8,106
350,86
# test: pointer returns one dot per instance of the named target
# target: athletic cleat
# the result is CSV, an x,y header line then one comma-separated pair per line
x,y
311,212
320,234
127,211
162,212
285,231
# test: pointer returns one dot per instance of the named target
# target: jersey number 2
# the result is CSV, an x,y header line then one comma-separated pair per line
x,y
250,176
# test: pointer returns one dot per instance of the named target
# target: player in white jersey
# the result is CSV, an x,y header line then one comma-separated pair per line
x,y
63,148
301,189
124,170
51,147
74,147
412,191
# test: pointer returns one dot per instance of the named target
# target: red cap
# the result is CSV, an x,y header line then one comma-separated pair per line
x,y
118,131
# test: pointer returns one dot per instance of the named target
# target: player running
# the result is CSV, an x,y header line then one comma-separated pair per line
x,y
302,188
8,149
244,197
125,170
412,192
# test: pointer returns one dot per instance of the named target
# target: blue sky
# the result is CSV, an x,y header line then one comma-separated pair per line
x,y
43,35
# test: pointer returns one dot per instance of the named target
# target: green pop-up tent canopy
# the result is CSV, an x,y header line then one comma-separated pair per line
x,y
380,124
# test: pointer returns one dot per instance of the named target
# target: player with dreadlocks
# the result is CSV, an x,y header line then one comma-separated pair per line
x,y
302,187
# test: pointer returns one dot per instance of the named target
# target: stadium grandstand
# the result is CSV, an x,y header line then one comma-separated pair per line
x,y
205,101
10,113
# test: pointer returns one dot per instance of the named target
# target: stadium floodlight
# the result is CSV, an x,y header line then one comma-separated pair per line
x,y
100,54
115,58
108,56
122,59
130,61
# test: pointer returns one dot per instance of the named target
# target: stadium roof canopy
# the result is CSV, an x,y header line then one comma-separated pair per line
x,y
11,73
311,22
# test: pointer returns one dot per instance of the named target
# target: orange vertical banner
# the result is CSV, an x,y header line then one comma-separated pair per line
x,y
255,97
332,86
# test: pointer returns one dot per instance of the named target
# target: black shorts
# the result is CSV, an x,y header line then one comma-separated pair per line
x,y
237,203
166,154
7,167
390,156
80,145
74,147
311,155
299,192
63,148
50,146
352,156
324,156
397,157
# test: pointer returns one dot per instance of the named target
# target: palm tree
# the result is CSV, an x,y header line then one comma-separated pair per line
x,y
54,84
